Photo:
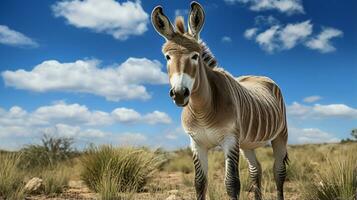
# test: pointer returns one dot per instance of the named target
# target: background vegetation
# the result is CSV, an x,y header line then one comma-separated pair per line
x,y
316,172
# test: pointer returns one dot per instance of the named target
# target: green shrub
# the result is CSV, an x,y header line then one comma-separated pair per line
x,y
52,151
11,178
109,170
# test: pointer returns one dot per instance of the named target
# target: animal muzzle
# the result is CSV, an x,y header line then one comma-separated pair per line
x,y
180,96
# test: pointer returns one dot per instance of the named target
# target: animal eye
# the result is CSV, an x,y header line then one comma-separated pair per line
x,y
168,57
195,57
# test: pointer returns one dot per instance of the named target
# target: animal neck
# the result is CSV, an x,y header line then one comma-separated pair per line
x,y
201,101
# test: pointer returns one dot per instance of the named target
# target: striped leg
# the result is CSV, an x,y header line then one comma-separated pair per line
x,y
255,172
281,159
201,167
231,152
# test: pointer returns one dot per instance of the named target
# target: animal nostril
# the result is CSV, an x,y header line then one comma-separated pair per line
x,y
172,92
186,92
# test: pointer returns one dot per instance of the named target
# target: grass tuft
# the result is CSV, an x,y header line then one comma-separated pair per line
x,y
11,178
109,170
337,180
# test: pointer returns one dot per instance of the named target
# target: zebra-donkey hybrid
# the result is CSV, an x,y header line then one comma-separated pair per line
x,y
219,110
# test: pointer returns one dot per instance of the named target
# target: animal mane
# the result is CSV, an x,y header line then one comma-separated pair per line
x,y
207,55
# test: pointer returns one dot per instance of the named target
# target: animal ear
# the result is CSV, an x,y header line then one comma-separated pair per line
x,y
161,23
196,19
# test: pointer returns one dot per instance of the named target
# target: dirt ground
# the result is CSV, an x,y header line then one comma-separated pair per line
x,y
165,186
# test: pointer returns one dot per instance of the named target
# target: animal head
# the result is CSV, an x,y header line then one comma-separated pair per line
x,y
182,50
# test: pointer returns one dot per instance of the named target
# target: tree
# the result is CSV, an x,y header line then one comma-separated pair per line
x,y
354,133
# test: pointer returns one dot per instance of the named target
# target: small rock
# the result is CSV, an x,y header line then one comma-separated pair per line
x,y
33,185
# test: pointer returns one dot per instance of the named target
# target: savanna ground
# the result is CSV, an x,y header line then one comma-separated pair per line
x,y
315,172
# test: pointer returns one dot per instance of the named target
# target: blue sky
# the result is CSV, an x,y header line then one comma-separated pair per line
x,y
93,69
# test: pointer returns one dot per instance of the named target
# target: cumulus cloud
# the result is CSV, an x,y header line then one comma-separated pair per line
x,y
250,33
15,38
291,34
311,99
284,6
156,117
318,111
310,135
121,82
279,37
121,20
64,130
126,115
71,114
268,40
75,114
322,41
74,120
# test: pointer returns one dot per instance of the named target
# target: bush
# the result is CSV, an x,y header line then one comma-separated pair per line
x,y
11,178
49,153
109,170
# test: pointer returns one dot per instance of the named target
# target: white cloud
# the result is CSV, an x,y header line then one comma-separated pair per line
x,y
74,120
319,111
335,110
126,115
14,38
226,39
322,41
279,38
291,34
76,115
122,82
298,110
267,39
64,130
250,33
311,99
285,6
120,20
310,135
71,114
272,36
156,117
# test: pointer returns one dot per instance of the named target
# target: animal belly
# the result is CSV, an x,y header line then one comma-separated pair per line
x,y
208,138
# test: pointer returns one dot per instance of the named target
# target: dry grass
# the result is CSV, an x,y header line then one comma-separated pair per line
x,y
110,171
316,172
11,178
